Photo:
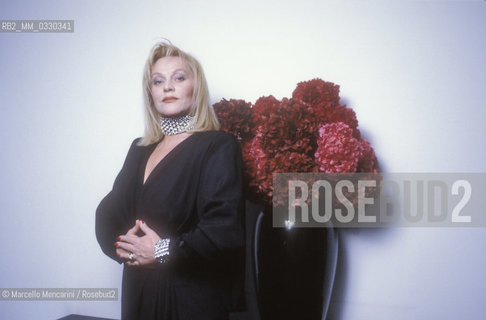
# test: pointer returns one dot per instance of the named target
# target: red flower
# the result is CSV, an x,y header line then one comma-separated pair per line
x,y
264,108
310,132
235,117
261,163
317,92
256,164
368,161
338,151
340,114
286,128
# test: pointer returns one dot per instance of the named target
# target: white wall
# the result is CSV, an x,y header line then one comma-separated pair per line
x,y
71,104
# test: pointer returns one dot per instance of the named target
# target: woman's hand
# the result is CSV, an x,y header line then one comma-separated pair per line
x,y
139,251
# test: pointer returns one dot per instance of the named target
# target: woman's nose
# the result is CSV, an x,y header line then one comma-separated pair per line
x,y
168,86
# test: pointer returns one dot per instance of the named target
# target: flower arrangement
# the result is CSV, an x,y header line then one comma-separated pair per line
x,y
310,132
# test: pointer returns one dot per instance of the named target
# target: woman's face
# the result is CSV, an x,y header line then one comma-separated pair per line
x,y
172,86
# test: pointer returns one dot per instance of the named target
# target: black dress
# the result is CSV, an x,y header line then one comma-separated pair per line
x,y
193,196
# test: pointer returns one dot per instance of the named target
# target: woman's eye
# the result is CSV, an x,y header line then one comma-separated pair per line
x,y
180,78
157,81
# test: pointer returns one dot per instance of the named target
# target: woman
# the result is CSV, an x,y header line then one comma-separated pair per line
x,y
174,215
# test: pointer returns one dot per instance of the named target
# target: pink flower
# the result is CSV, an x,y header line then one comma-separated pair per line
x,y
338,151
341,114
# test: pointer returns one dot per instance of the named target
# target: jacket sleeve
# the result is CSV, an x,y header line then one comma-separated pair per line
x,y
114,213
219,231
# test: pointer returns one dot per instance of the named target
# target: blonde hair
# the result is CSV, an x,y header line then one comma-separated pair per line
x,y
203,111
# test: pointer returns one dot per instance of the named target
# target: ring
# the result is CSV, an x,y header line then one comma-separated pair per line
x,y
130,256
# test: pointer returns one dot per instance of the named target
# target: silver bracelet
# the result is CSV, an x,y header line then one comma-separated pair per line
x,y
161,250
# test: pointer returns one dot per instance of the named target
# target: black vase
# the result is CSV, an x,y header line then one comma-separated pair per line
x,y
294,268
